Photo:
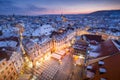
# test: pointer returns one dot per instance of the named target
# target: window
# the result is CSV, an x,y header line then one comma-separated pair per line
x,y
89,67
102,70
101,63
8,72
103,79
11,78
5,77
34,54
3,63
12,68
2,72
14,73
16,63
6,68
10,64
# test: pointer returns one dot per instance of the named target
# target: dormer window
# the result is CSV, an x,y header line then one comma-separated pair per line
x,y
90,74
102,70
89,67
101,63
103,79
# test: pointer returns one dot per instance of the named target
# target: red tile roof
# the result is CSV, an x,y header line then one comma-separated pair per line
x,y
112,67
108,48
97,38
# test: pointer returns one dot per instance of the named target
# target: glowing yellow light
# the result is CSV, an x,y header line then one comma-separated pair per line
x,y
60,61
81,57
38,64
34,78
47,57
41,59
30,64
75,57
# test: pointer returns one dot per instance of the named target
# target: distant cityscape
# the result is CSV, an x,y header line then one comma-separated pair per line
x,y
60,47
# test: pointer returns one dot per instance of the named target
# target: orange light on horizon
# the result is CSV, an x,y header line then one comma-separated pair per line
x,y
75,10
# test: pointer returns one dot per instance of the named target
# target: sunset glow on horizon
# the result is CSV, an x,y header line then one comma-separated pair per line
x,y
38,7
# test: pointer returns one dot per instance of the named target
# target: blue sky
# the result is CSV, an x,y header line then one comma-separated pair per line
x,y
36,7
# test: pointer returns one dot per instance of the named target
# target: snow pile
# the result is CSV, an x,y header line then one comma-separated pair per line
x,y
43,30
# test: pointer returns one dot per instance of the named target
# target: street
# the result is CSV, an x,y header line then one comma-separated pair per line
x,y
53,70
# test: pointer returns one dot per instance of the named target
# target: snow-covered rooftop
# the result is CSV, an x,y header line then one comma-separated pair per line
x,y
8,43
94,54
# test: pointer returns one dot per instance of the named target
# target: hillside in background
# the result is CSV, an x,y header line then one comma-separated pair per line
x,y
105,13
